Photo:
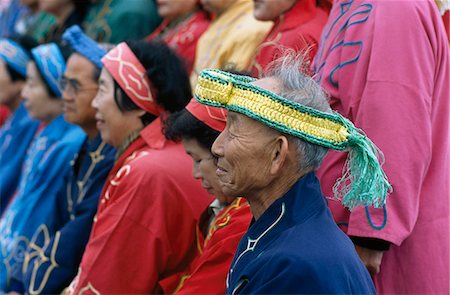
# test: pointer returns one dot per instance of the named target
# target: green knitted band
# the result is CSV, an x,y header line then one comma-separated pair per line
x,y
363,182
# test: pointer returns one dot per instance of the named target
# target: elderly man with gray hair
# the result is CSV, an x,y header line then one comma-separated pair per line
x,y
278,130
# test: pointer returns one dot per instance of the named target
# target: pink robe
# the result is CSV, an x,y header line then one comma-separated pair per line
x,y
299,29
386,67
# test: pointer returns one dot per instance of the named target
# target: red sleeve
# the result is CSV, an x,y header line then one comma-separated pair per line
x,y
145,233
209,274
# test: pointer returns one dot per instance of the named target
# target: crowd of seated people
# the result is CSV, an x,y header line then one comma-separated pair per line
x,y
224,146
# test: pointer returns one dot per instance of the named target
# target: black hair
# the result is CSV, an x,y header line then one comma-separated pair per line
x,y
81,8
96,73
167,73
183,125
66,51
27,43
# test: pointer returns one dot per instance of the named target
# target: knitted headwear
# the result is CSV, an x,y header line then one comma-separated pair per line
x,y
51,64
84,45
14,56
130,74
363,181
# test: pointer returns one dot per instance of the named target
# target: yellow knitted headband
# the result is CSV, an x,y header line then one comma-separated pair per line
x,y
364,182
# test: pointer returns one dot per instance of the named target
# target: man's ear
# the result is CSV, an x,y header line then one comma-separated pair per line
x,y
279,154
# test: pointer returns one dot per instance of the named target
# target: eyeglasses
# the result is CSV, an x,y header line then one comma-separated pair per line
x,y
72,86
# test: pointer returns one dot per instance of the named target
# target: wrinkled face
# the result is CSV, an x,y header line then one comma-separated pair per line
x,y
80,89
271,9
216,6
244,155
114,125
204,168
37,99
9,90
171,9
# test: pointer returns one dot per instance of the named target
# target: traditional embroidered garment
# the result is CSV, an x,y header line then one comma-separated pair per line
x,y
113,21
144,230
296,248
34,213
52,261
182,35
207,273
298,29
219,230
15,138
231,40
393,82
38,25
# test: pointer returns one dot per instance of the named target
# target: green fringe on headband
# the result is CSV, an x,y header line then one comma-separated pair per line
x,y
363,183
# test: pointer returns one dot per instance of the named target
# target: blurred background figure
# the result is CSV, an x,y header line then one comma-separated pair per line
x,y
297,25
225,221
113,21
183,24
23,17
66,13
393,82
33,215
59,256
11,11
444,9
231,41
19,130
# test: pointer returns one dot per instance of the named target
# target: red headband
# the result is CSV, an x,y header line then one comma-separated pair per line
x,y
216,118
129,73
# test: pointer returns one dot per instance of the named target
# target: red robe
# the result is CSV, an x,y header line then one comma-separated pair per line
x,y
208,271
298,29
184,36
4,114
146,222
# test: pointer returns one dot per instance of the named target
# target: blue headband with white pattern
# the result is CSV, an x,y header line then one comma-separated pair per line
x,y
14,56
50,63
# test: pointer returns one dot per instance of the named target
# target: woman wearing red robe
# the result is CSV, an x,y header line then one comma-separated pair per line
x,y
225,221
183,24
144,229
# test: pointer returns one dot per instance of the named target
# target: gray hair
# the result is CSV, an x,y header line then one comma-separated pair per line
x,y
296,85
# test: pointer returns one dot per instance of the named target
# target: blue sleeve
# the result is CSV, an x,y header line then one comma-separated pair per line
x,y
54,269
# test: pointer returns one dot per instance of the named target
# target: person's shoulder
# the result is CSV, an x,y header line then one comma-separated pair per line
x,y
158,164
302,270
402,11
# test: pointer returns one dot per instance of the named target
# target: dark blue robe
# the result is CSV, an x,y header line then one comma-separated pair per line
x,y
55,259
15,138
33,211
296,248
